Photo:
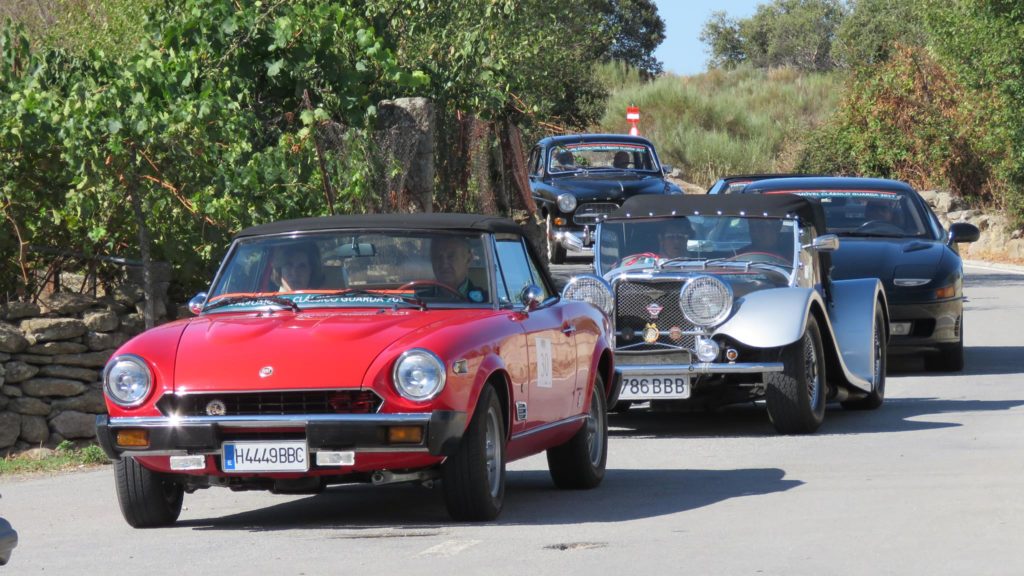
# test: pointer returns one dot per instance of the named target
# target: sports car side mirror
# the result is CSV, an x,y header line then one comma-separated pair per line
x,y
666,168
195,305
826,243
531,297
962,232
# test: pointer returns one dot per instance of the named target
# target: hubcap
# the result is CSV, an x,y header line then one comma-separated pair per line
x,y
492,453
878,359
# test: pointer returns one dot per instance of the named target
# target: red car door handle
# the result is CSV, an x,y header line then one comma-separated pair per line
x,y
568,329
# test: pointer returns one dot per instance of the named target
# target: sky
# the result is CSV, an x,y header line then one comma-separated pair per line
x,y
682,52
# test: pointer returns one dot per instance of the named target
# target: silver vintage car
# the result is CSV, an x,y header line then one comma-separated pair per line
x,y
725,299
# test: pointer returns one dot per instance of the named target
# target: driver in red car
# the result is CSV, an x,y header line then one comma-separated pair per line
x,y
450,258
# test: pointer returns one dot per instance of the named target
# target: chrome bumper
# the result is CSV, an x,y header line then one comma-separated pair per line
x,y
698,368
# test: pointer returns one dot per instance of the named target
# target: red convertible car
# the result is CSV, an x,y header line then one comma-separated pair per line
x,y
377,348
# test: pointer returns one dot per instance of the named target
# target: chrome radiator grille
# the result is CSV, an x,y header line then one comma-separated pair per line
x,y
591,213
272,403
632,315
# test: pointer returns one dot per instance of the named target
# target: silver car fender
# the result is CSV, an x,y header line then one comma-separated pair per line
x,y
853,322
770,318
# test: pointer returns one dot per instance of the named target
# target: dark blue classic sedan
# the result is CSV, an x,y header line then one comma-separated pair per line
x,y
888,232
577,179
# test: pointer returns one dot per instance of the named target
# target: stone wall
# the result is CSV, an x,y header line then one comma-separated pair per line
x,y
51,362
999,241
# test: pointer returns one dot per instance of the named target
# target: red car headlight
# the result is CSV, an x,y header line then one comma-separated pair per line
x,y
127,380
419,375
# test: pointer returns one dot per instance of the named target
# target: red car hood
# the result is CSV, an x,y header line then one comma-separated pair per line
x,y
317,349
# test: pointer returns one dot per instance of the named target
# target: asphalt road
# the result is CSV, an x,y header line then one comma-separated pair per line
x,y
931,483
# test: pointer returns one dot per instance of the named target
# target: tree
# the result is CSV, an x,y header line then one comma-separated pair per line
x,y
636,30
796,33
874,28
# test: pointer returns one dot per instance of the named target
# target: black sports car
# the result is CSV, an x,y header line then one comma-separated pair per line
x,y
577,179
889,232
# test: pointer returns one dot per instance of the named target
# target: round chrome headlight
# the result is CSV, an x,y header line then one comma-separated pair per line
x,y
566,202
705,300
590,289
127,380
419,375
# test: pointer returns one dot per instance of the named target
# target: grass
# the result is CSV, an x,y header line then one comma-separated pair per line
x,y
65,457
723,122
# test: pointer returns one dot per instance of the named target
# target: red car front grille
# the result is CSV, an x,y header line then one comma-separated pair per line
x,y
276,403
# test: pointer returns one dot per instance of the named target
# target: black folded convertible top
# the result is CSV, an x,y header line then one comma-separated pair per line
x,y
419,221
771,206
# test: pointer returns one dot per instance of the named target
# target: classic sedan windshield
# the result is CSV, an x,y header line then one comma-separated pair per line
x,y
352,268
601,156
670,241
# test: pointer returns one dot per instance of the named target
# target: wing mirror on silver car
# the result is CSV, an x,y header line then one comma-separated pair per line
x,y
195,305
531,297
826,243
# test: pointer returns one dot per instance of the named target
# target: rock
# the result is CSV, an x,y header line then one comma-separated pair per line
x,y
64,303
133,323
54,440
52,387
72,372
4,356
91,402
53,348
101,321
11,339
105,340
16,310
72,424
49,329
159,308
87,359
4,402
10,428
12,391
38,453
37,359
127,294
18,371
30,406
34,429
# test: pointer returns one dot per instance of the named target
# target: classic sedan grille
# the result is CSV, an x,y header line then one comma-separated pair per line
x,y
276,403
636,306
591,213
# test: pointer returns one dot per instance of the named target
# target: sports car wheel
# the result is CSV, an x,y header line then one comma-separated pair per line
x,y
874,398
556,252
580,462
949,358
796,396
474,477
148,499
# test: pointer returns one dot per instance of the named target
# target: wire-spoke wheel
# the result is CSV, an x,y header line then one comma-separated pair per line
x,y
796,396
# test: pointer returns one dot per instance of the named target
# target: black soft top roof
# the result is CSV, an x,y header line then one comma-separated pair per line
x,y
418,221
772,206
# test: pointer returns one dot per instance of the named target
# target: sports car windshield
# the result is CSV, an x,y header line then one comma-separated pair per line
x,y
878,213
364,268
697,241
601,156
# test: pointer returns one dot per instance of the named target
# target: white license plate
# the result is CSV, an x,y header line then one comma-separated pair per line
x,y
270,456
636,387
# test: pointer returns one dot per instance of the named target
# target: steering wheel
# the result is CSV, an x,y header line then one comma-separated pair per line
x,y
437,287
880,226
768,257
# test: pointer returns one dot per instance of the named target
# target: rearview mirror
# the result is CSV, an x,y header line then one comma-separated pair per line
x,y
361,249
195,305
826,243
531,297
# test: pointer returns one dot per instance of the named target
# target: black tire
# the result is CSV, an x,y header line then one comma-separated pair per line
x,y
876,397
556,252
579,464
796,396
473,478
148,499
950,358
621,406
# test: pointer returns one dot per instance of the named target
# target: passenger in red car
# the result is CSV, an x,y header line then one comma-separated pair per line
x,y
298,267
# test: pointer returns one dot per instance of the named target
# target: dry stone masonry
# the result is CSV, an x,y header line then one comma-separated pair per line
x,y
51,362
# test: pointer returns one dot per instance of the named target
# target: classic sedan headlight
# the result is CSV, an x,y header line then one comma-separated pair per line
x,y
419,375
591,289
705,300
127,380
566,202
